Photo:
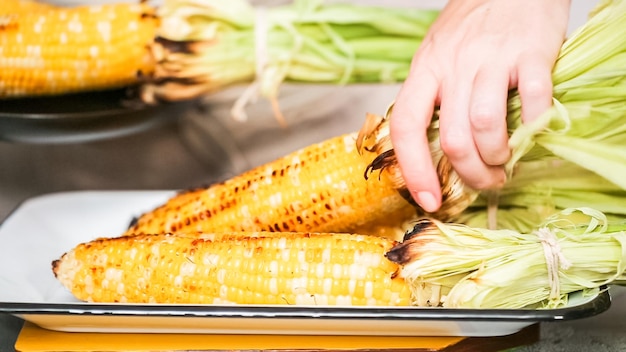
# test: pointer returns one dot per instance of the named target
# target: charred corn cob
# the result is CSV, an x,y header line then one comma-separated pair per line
x,y
238,268
320,188
55,50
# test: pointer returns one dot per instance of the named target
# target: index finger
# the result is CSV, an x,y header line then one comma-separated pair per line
x,y
410,118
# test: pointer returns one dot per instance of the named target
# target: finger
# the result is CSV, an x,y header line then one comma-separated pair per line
x,y
457,140
487,114
534,86
411,116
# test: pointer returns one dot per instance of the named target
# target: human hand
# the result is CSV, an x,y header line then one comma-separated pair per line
x,y
473,54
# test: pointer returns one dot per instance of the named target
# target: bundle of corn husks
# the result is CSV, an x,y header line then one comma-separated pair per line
x,y
206,46
572,160
454,265
575,153
557,226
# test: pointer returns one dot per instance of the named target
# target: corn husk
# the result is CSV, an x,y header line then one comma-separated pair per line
x,y
206,46
573,250
587,124
574,154
559,224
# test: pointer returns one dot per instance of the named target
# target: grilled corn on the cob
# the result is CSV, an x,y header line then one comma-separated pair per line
x,y
237,268
46,50
320,188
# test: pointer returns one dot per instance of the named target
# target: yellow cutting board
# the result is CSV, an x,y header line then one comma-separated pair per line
x,y
33,338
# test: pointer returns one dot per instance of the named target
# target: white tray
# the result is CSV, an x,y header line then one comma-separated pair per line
x,y
43,228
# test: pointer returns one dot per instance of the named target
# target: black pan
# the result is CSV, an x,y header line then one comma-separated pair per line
x,y
78,117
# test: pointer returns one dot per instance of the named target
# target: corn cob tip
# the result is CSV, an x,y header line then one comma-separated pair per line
x,y
405,252
55,267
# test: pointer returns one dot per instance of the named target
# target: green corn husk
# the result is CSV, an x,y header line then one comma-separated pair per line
x,y
559,224
541,188
207,45
481,268
575,153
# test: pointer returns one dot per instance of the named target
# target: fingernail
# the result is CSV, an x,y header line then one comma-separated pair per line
x,y
427,201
